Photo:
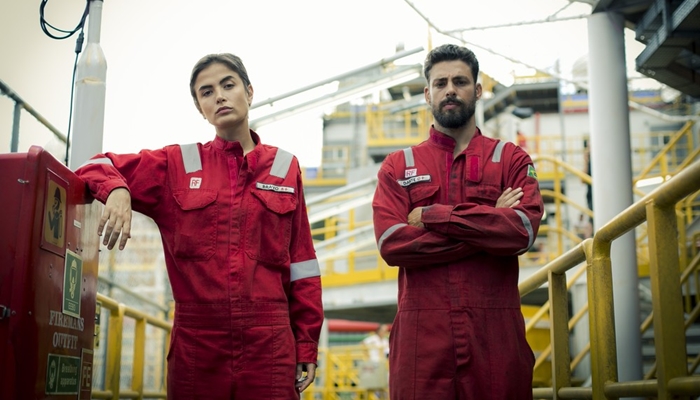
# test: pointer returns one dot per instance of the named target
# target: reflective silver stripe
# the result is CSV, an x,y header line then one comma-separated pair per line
x,y
497,153
280,166
304,269
104,160
408,156
190,158
389,232
528,228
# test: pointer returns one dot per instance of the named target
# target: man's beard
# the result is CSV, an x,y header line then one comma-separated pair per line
x,y
455,118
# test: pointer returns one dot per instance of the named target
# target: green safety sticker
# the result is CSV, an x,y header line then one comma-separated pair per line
x,y
531,171
62,374
72,284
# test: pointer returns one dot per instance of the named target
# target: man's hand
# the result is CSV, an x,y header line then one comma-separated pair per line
x,y
303,381
116,217
510,198
415,216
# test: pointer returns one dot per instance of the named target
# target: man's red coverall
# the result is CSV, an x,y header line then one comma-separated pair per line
x,y
459,331
240,258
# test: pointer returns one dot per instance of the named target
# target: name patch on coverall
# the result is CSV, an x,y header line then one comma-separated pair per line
x,y
274,188
415,179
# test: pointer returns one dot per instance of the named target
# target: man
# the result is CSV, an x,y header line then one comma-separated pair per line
x,y
237,243
453,213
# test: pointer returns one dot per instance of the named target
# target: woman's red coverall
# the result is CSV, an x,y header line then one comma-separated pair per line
x,y
240,258
459,331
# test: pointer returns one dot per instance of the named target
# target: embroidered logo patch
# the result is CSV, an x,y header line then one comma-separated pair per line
x,y
411,172
195,183
415,179
531,171
274,188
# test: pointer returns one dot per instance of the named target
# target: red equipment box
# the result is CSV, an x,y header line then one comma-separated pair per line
x,y
48,279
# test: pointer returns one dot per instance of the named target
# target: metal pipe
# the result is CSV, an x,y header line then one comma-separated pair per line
x,y
533,22
646,388
376,64
14,142
341,190
7,91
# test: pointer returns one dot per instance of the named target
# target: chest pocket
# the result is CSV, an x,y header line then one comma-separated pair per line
x,y
269,226
492,177
423,195
195,236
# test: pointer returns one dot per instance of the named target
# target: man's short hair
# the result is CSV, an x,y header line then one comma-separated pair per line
x,y
451,52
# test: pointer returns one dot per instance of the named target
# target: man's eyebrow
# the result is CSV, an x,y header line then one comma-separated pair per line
x,y
444,78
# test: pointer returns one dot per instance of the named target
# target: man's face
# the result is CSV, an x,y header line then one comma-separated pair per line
x,y
222,96
452,93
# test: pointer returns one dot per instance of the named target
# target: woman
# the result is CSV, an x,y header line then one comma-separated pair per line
x,y
237,244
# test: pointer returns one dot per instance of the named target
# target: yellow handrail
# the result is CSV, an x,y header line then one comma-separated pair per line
x,y
113,360
658,209
660,159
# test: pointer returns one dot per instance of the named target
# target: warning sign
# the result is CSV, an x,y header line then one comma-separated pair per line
x,y
62,374
72,284
53,228
55,214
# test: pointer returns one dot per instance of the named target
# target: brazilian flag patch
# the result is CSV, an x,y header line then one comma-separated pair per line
x,y
531,171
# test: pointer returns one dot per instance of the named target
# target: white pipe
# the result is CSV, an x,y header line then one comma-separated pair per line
x,y
90,88
611,167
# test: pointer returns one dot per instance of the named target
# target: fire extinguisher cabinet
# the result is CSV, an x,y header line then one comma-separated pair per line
x,y
48,278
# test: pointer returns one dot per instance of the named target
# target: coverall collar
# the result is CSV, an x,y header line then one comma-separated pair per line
x,y
446,142
237,149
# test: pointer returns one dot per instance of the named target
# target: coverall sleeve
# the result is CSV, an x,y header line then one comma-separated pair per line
x,y
143,174
498,231
401,244
305,303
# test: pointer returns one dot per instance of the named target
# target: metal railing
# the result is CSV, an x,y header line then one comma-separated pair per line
x,y
20,105
113,354
658,208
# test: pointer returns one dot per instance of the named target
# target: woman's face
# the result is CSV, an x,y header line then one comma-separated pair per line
x,y
222,96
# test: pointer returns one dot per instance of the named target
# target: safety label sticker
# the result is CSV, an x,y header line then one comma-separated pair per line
x,y
72,284
62,374
53,237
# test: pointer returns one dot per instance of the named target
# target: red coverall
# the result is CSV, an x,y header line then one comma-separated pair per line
x,y
459,331
240,258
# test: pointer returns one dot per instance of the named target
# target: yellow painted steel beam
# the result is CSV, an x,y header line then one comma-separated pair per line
x,y
688,386
646,388
669,333
114,349
576,393
601,317
137,368
559,317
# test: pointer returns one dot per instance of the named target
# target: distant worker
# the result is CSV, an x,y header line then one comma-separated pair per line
x,y
377,343
587,170
453,213
522,140
584,228
237,243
